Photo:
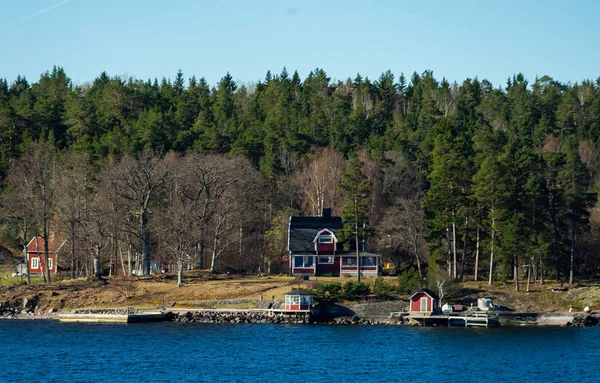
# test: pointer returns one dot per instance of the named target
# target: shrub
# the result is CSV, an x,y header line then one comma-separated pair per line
x,y
381,288
409,281
354,290
329,292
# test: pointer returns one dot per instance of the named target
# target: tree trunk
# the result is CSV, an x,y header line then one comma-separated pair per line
x,y
26,257
73,271
129,261
46,270
357,253
418,263
541,271
454,260
555,227
97,271
179,273
491,281
476,255
464,254
145,235
528,277
516,271
449,251
573,227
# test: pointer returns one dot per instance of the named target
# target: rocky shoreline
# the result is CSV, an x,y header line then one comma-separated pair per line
x,y
270,317
206,316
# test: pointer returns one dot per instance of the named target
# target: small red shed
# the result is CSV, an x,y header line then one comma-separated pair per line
x,y
424,302
298,300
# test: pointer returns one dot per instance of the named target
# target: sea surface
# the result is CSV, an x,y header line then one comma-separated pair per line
x,y
49,351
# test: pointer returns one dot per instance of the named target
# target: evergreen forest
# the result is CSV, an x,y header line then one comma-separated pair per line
x,y
466,180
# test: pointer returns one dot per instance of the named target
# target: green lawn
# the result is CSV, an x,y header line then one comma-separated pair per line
x,y
6,278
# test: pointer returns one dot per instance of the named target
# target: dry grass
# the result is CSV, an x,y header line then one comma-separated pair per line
x,y
201,286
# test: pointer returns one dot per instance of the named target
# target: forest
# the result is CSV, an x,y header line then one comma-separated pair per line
x,y
467,180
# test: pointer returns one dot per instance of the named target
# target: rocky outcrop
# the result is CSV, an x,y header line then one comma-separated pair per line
x,y
585,320
239,317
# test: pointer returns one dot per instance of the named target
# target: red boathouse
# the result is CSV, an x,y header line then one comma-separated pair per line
x,y
424,302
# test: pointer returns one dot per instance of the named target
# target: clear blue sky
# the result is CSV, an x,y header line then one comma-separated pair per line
x,y
154,38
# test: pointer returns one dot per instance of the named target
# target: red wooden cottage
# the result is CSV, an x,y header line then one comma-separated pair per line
x,y
298,300
315,249
35,254
424,302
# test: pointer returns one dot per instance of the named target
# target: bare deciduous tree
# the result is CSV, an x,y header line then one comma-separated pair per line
x,y
139,182
19,202
73,186
178,231
318,181
404,227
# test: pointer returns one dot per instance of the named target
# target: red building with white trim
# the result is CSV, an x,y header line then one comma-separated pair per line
x,y
316,250
424,302
298,300
35,254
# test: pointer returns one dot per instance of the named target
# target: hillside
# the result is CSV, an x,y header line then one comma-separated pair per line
x,y
205,290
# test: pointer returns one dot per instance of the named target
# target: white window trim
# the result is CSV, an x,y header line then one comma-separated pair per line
x,y
330,259
325,239
305,265
50,264
35,263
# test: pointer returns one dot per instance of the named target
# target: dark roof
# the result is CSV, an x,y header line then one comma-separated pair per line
x,y
298,292
303,230
426,291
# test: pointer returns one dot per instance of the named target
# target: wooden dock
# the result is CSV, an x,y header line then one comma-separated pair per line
x,y
464,319
473,319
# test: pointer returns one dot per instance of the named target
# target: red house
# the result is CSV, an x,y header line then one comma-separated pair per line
x,y
424,302
35,254
298,300
316,250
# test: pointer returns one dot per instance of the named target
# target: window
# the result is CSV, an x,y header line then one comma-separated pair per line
x,y
301,261
325,260
50,263
368,261
349,261
35,263
325,238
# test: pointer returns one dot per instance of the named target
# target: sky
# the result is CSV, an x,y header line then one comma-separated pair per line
x,y
456,39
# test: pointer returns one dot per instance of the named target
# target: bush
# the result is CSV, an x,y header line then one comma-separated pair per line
x,y
409,281
355,290
329,292
381,288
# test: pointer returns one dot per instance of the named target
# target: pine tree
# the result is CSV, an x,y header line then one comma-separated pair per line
x,y
356,189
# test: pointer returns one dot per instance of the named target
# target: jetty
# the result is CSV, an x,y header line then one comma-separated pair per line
x,y
460,319
113,316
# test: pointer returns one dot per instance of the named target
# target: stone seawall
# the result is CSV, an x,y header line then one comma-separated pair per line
x,y
217,316
230,316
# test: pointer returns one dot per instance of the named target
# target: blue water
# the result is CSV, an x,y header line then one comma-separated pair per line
x,y
48,351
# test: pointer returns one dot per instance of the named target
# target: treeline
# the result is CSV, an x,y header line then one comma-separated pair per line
x,y
480,182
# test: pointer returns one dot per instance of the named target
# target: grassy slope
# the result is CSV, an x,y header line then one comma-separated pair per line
x,y
201,286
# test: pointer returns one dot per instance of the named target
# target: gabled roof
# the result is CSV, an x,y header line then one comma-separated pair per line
x,y
298,292
303,230
426,291
36,245
325,231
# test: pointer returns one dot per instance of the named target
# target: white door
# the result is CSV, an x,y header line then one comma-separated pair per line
x,y
424,304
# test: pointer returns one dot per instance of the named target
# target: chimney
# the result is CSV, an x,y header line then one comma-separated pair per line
x,y
326,213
